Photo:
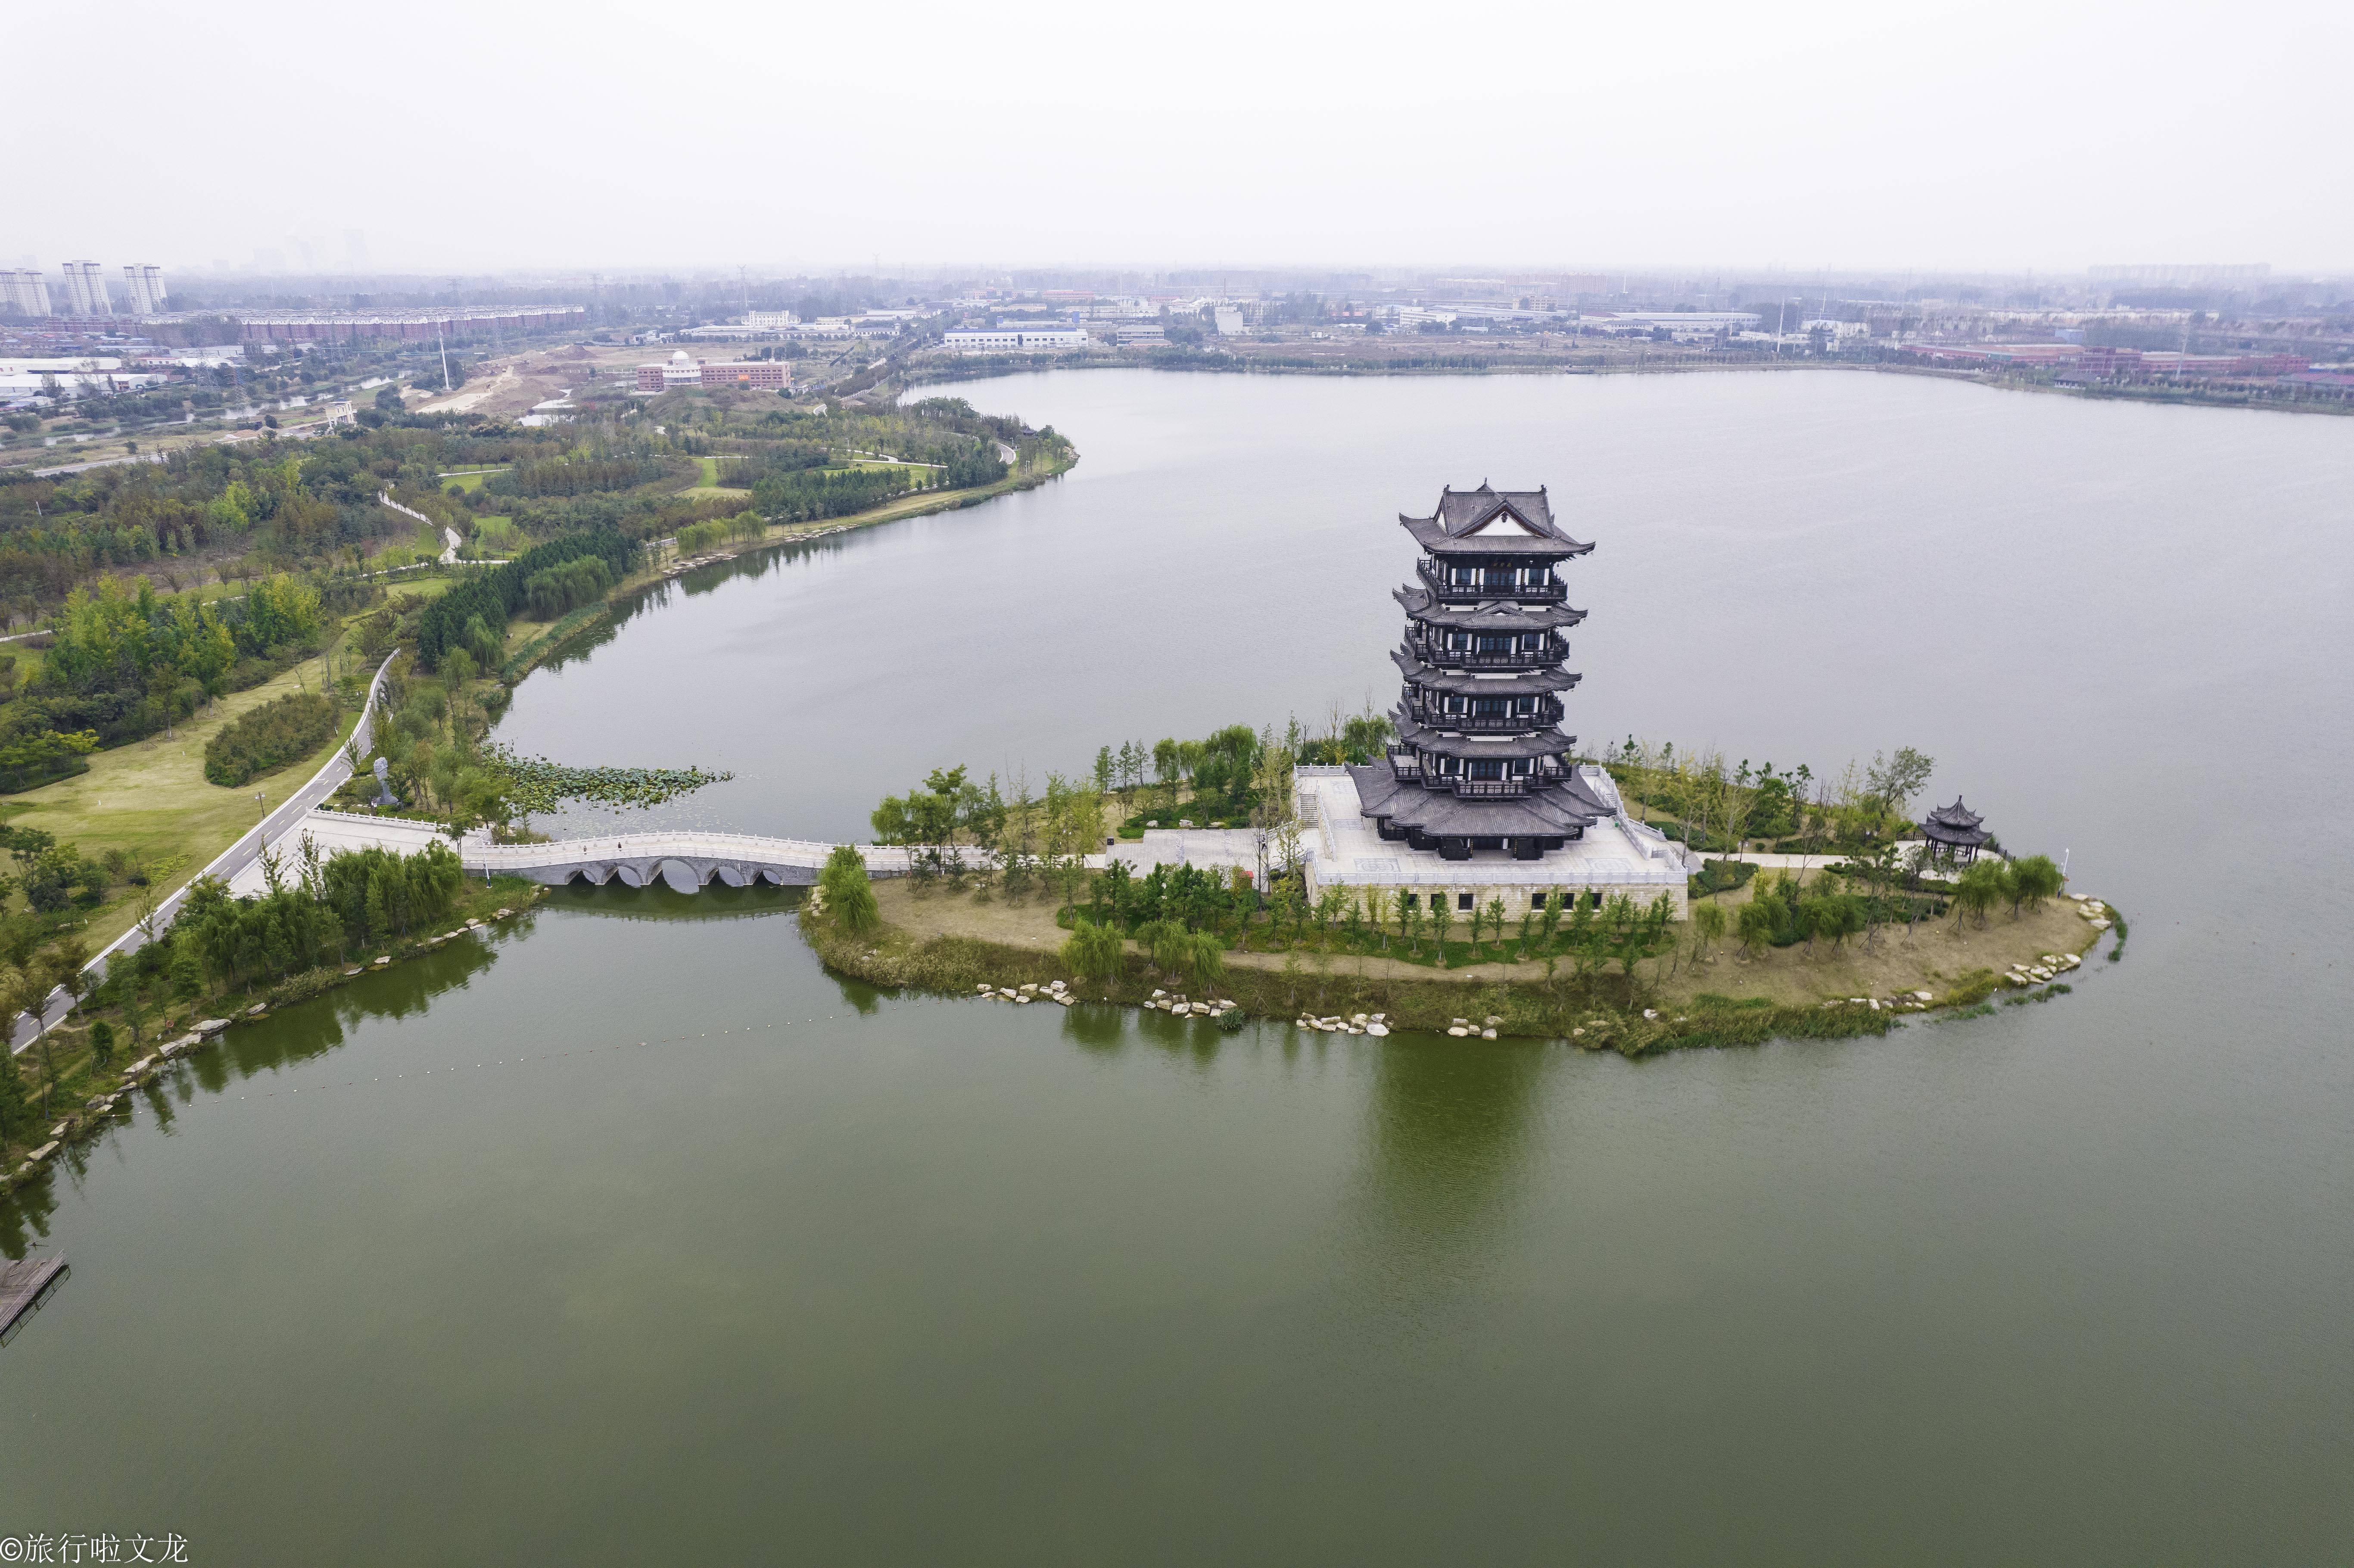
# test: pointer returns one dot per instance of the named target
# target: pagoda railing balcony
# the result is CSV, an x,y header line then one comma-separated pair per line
x,y
1488,788
1440,581
1507,659
1491,724
1410,770
1515,660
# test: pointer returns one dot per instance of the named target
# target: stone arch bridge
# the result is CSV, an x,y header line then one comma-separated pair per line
x,y
631,859
636,860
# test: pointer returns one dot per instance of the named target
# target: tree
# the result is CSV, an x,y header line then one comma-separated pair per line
x,y
1496,919
1171,944
1096,952
1708,921
1977,890
849,893
102,1042
1893,781
24,994
1442,914
1205,959
1758,923
2033,880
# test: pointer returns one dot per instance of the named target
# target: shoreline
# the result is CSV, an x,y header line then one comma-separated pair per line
x,y
1630,1014
1344,369
776,535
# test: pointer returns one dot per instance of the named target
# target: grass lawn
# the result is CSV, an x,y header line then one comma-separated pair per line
x,y
468,477
711,489
151,800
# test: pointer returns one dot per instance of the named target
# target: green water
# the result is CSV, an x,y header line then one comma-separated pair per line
x,y
630,1236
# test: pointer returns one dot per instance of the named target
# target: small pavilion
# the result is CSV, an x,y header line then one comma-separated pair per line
x,y
1953,834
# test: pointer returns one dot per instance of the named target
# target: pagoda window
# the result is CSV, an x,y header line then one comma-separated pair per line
x,y
1482,769
1454,641
1520,768
1450,764
1489,644
1487,707
1453,705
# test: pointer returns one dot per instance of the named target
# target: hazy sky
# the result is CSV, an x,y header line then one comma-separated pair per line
x,y
1998,135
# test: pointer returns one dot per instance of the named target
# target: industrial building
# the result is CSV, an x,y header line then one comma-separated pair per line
x,y
1008,337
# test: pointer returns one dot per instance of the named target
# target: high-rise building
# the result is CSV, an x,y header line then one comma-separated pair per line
x,y
145,281
23,290
86,289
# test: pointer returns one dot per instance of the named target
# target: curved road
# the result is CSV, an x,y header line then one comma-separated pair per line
x,y
226,866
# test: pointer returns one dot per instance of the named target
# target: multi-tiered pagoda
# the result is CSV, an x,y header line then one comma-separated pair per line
x,y
1480,761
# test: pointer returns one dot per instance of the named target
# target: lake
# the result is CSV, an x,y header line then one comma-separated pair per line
x,y
631,1235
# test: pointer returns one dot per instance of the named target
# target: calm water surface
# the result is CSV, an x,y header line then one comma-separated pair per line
x,y
453,1267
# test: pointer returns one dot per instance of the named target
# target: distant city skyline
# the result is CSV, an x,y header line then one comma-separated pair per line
x,y
2006,137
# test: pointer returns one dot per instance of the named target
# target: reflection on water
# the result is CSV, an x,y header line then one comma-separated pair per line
x,y
671,592
302,1032
1449,1136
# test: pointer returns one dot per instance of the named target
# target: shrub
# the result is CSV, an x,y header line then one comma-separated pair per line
x,y
1722,876
268,737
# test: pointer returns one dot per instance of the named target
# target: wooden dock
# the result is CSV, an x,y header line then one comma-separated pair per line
x,y
23,1286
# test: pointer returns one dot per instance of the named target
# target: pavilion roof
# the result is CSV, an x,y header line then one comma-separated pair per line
x,y
1490,521
1956,815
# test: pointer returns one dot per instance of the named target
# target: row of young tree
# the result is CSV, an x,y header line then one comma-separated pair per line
x,y
129,662
315,911
475,613
1227,772
957,827
1715,803
1783,909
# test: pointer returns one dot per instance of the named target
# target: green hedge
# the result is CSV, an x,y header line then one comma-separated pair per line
x,y
1722,876
270,737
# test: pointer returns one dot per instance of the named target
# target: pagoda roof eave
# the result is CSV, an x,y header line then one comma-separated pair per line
x,y
1517,683
1956,815
1433,537
1546,742
1552,813
1487,615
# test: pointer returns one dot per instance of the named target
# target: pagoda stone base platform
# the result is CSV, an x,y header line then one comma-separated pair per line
x,y
1617,855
